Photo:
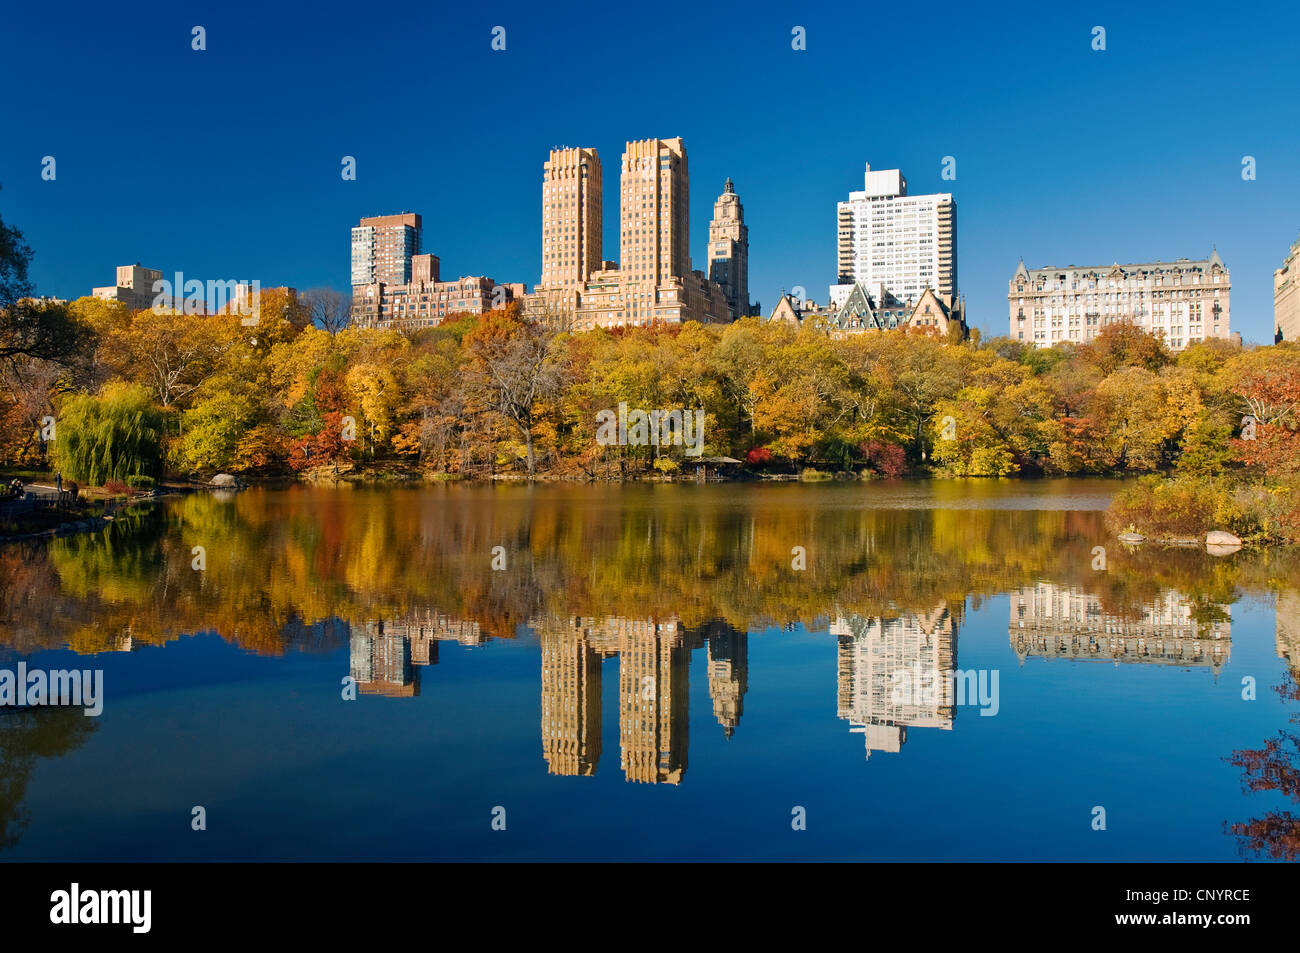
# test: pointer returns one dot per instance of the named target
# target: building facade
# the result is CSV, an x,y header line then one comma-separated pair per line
x,y
1286,297
1059,621
905,243
860,308
653,281
871,654
426,300
134,287
729,251
1184,301
382,248
572,221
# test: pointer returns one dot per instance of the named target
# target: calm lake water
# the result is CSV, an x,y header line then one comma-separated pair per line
x,y
649,672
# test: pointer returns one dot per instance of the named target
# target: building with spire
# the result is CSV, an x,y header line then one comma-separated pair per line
x,y
729,252
1183,301
728,673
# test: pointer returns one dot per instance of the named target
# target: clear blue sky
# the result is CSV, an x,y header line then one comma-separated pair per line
x,y
225,163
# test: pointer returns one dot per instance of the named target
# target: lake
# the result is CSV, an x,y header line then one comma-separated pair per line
x,y
921,670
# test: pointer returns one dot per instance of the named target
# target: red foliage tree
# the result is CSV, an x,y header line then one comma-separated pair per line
x,y
1271,438
887,459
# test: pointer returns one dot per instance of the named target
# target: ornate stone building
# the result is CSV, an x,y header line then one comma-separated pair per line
x,y
729,251
1052,621
1184,301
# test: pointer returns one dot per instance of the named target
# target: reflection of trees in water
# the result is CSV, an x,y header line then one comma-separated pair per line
x,y
27,734
279,563
1274,767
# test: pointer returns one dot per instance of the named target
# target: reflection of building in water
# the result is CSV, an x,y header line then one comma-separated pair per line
x,y
1051,621
1287,621
653,699
570,700
871,650
381,661
728,673
653,688
384,651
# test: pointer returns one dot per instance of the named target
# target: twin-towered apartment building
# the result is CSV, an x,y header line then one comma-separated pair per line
x,y
654,281
395,284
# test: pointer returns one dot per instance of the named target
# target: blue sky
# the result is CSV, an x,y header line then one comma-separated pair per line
x,y
225,163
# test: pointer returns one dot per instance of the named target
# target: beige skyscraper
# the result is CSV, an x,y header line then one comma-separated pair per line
x,y
729,250
1287,624
570,698
653,280
571,218
728,674
654,695
654,227
654,699
134,287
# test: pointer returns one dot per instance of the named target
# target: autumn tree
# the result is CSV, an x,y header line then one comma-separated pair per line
x,y
1125,344
1267,381
330,310
512,366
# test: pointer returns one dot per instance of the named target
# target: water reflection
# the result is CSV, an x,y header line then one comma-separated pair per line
x,y
636,580
1051,621
873,652
1275,767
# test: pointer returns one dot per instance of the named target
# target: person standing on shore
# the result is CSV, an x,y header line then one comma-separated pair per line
x,y
58,482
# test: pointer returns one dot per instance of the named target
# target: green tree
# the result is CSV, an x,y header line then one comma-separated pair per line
x,y
110,435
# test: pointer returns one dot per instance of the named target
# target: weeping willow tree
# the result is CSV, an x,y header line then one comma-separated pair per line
x,y
111,435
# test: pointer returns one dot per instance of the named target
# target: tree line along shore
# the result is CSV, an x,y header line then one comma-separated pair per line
x,y
121,400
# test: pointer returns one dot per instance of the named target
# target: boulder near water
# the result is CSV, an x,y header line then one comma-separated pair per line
x,y
1220,543
1218,537
224,479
